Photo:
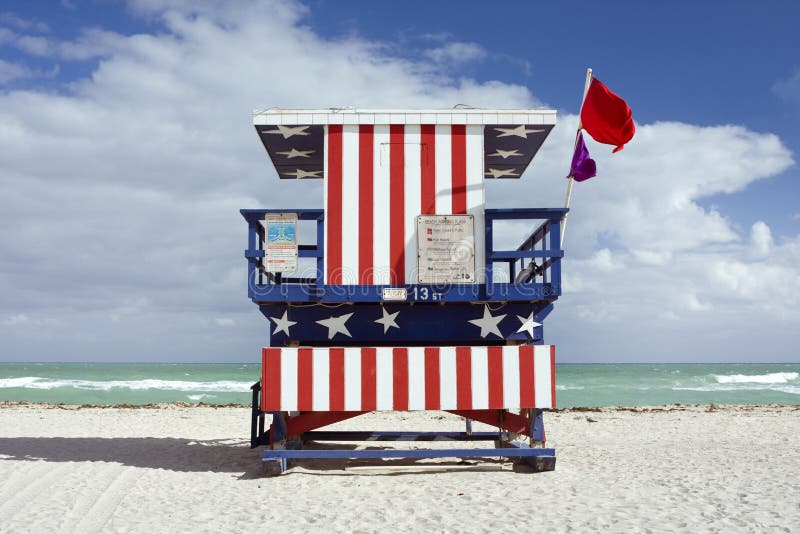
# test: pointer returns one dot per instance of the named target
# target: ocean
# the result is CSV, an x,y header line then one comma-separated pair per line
x,y
576,384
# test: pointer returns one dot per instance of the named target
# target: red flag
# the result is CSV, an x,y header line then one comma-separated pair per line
x,y
606,116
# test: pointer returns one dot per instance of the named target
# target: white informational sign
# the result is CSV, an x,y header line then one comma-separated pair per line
x,y
280,249
394,294
446,249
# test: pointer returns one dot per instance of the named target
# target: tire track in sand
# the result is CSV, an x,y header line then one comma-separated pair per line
x,y
98,479
23,492
13,474
107,502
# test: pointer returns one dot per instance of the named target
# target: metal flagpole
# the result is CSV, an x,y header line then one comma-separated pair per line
x,y
572,178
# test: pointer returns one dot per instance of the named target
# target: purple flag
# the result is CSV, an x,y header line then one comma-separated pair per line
x,y
583,167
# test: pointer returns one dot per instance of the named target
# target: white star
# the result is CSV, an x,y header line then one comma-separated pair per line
x,y
501,153
282,323
519,131
528,324
499,173
288,131
300,173
294,153
388,320
335,325
488,323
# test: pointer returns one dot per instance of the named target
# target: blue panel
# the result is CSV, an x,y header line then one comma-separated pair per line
x,y
295,148
411,453
509,148
401,324
269,293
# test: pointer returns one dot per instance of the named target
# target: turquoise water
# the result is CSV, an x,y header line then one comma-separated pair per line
x,y
576,384
657,384
125,383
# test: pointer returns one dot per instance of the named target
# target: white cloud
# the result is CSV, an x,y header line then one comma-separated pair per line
x,y
789,88
456,52
37,46
10,72
124,196
23,24
760,239
13,71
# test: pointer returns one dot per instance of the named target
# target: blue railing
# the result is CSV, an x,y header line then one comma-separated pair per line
x,y
534,266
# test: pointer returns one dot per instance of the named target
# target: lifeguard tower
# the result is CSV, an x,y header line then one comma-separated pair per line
x,y
405,303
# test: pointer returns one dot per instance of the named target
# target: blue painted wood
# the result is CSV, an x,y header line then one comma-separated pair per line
x,y
418,323
537,426
497,292
276,289
517,254
306,454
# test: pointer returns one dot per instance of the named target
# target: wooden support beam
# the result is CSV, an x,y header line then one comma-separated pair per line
x,y
306,421
518,424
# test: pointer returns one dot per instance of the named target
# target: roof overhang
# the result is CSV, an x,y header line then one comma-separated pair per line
x,y
295,138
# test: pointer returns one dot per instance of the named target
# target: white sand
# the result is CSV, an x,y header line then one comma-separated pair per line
x,y
183,468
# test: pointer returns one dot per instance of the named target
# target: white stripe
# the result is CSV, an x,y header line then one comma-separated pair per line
x,y
350,204
447,378
416,378
384,379
288,379
541,368
325,203
475,194
511,377
413,201
352,379
479,363
444,170
380,206
320,359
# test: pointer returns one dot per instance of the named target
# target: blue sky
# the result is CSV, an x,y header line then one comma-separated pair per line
x,y
143,106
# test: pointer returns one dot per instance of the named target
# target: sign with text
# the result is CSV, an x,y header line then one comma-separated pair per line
x,y
280,249
446,249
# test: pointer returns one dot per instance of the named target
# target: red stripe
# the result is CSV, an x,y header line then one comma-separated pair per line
x,y
368,402
305,379
495,377
333,250
463,378
459,163
336,384
552,376
271,379
400,382
432,391
527,392
428,169
397,240
365,204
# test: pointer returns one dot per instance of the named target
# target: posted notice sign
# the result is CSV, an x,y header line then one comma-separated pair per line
x,y
280,250
446,249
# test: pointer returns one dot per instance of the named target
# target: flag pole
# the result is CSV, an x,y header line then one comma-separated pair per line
x,y
577,134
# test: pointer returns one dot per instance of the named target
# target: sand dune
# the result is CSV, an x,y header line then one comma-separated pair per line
x,y
180,468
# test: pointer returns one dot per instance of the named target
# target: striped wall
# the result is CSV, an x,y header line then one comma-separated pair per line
x,y
407,378
379,178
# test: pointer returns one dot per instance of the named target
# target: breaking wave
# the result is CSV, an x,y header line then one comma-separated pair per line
x,y
769,378
36,382
792,390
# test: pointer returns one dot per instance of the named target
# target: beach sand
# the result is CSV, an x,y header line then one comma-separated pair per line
x,y
180,468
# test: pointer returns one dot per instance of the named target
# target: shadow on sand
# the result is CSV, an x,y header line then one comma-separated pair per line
x,y
220,456
174,454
